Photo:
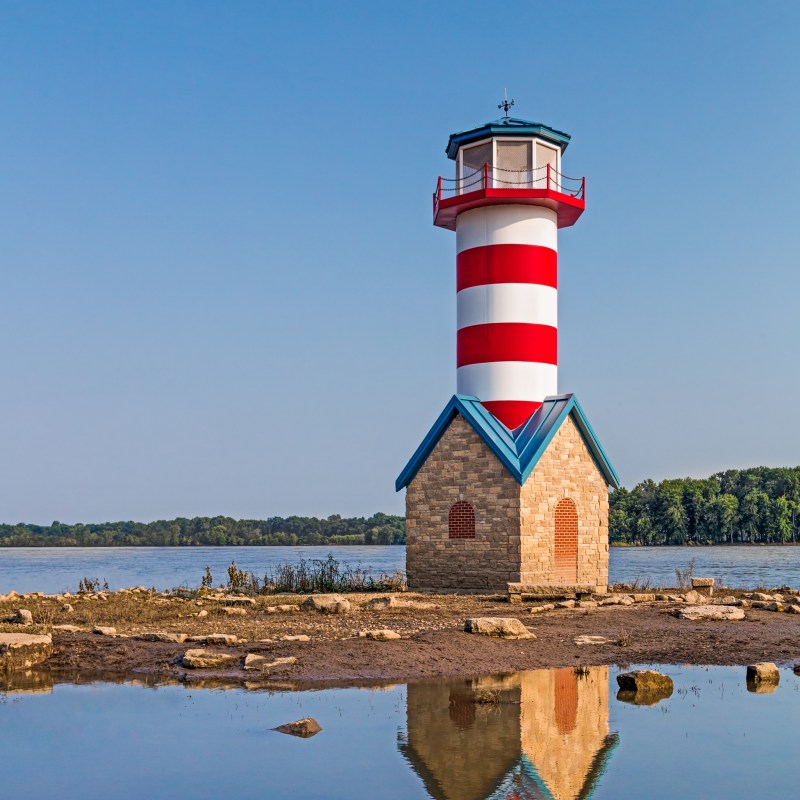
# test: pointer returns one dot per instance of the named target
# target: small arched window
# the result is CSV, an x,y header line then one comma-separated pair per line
x,y
461,521
565,549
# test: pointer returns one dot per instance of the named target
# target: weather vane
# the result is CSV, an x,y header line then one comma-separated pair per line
x,y
506,104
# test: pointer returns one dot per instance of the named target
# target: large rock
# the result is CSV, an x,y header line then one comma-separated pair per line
x,y
703,583
644,687
694,598
763,672
304,728
214,638
256,663
706,612
21,617
103,630
326,604
502,627
207,659
24,650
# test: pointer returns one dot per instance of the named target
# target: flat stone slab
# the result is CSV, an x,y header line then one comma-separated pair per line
x,y
516,591
501,627
588,639
256,663
24,650
702,583
162,636
381,635
207,659
714,613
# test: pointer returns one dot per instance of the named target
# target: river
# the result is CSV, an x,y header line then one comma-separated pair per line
x,y
59,569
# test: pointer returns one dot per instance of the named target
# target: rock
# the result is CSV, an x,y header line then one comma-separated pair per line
x,y
24,650
282,608
382,635
706,612
729,600
542,609
588,639
67,608
231,599
587,604
102,630
304,728
566,604
774,607
234,612
763,672
254,662
644,687
207,659
381,603
202,613
763,597
502,627
21,617
796,669
792,609
161,636
703,583
326,604
760,604
298,637
220,638
694,598
643,598
662,597
67,628
626,600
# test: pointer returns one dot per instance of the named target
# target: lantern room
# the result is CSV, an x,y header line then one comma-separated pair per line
x,y
508,161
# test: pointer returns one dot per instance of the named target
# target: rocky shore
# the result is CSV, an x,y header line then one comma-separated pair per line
x,y
278,640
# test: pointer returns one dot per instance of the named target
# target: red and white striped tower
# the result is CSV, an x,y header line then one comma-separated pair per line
x,y
506,204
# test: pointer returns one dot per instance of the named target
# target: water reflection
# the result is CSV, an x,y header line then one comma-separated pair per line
x,y
537,735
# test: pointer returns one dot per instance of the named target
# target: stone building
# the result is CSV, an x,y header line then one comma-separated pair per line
x,y
487,507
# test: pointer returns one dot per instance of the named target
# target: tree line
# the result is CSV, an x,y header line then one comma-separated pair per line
x,y
759,505
216,531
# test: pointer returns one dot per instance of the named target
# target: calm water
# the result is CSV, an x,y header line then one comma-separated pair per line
x,y
553,735
59,569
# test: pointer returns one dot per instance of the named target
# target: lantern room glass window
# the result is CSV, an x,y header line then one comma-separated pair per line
x,y
473,160
514,165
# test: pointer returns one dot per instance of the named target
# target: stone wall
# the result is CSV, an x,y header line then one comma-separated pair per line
x,y
514,526
462,467
566,469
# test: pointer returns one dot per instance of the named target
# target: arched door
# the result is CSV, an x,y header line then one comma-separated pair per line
x,y
565,549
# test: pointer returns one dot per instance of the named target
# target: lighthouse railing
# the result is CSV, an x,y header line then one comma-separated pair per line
x,y
490,177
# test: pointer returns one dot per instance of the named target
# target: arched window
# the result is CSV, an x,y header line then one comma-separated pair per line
x,y
565,549
461,521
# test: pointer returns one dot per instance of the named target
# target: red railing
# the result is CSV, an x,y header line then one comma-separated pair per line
x,y
545,177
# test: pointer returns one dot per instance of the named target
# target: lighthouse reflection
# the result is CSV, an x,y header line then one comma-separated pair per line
x,y
539,735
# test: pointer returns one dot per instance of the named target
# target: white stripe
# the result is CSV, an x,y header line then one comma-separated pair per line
x,y
507,225
508,380
507,302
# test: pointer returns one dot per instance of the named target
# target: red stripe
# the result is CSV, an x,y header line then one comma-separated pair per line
x,y
512,413
507,341
507,263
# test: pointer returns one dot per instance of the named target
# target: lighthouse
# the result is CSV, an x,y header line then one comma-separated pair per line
x,y
509,488
506,204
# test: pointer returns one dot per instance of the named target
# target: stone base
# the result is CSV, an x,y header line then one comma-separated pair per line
x,y
544,591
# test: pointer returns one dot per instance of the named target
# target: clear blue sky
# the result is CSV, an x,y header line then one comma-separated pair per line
x,y
222,292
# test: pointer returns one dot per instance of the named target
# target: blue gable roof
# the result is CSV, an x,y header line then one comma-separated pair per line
x,y
519,451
